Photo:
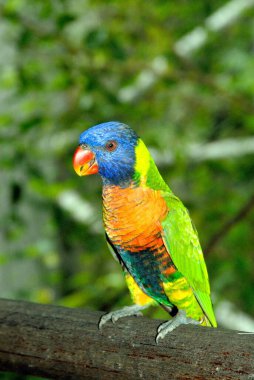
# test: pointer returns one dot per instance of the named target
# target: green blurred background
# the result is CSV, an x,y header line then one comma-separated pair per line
x,y
182,75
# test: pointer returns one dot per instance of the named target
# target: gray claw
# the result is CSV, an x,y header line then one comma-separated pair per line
x,y
179,319
125,312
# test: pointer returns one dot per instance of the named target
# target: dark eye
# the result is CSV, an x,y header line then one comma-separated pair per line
x,y
84,146
111,145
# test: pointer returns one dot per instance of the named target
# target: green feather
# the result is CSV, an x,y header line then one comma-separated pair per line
x,y
145,170
182,242
179,235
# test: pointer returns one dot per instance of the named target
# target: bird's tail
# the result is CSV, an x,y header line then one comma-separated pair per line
x,y
206,322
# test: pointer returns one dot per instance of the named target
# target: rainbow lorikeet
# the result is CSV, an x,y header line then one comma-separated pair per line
x,y
148,229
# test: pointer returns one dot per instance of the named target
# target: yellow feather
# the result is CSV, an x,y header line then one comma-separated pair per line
x,y
142,160
137,295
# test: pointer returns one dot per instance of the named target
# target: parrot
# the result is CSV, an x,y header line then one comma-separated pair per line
x,y
148,229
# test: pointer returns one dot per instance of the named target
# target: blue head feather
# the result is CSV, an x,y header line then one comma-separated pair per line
x,y
116,167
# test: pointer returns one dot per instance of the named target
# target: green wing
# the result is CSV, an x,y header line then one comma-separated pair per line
x,y
181,240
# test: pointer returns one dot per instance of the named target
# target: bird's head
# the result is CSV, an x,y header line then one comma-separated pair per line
x,y
109,149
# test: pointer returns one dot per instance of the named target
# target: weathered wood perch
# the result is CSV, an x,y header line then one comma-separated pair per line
x,y
62,343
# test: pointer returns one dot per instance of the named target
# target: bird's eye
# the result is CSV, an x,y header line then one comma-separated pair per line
x,y
84,146
111,145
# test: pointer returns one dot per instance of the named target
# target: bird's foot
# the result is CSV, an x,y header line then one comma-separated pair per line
x,y
127,311
179,319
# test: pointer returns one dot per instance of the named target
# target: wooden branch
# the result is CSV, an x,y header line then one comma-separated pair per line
x,y
62,343
216,150
225,228
184,48
220,19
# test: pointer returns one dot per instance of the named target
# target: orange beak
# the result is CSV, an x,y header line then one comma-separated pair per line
x,y
84,162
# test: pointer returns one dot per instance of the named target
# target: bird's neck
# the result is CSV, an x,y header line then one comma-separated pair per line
x,y
144,173
122,183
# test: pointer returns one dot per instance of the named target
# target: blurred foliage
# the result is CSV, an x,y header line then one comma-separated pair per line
x,y
63,67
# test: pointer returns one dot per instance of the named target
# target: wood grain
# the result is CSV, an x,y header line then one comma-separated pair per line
x,y
62,343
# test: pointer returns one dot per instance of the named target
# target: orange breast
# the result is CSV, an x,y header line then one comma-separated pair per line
x,y
132,217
